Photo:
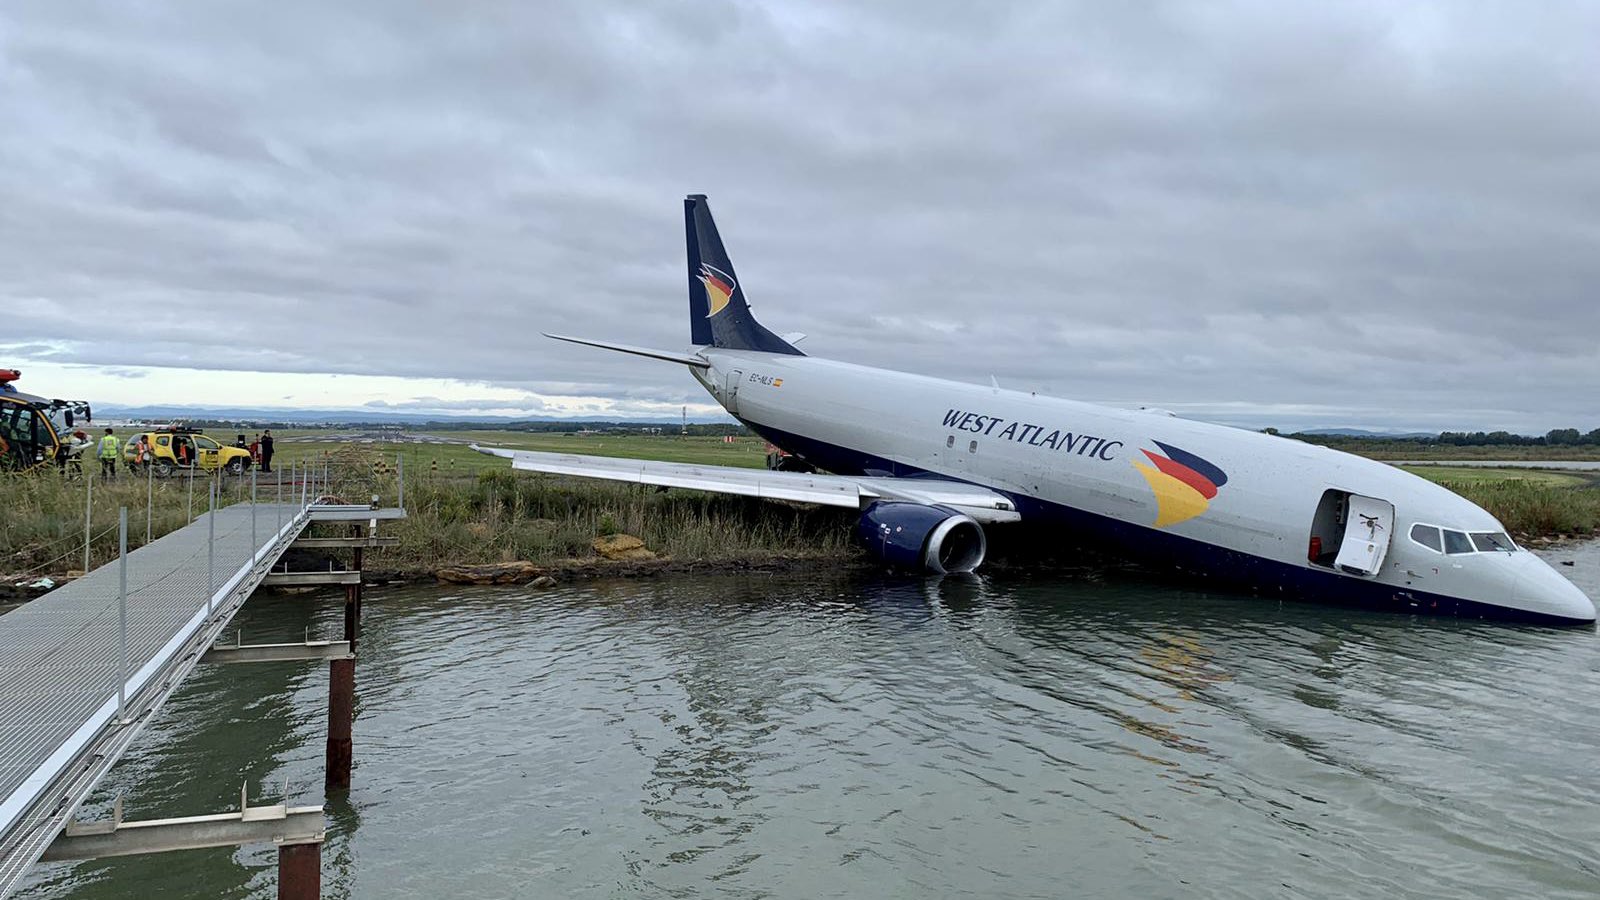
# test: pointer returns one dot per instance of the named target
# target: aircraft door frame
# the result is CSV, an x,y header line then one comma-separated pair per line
x,y
730,390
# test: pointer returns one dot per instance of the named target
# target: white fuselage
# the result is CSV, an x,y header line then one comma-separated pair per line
x,y
1085,460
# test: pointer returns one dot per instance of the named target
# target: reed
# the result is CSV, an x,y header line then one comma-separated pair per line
x,y
1530,509
496,515
42,517
490,516
500,516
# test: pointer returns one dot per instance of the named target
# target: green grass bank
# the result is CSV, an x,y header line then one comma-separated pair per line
x,y
471,509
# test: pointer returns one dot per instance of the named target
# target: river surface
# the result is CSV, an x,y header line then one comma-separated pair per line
x,y
806,737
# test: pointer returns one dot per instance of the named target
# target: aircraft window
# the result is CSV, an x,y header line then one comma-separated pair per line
x,y
950,441
1456,542
1489,541
1427,536
972,447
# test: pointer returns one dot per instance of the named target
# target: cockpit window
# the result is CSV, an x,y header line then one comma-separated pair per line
x,y
1427,536
1457,542
1493,540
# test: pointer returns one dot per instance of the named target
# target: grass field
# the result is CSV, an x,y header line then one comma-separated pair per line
x,y
1393,450
457,457
467,507
1475,476
1529,502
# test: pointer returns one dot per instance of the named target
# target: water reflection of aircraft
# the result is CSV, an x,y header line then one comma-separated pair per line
x,y
33,429
931,463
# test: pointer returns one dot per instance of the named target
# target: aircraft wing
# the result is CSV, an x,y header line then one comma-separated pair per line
x,y
982,504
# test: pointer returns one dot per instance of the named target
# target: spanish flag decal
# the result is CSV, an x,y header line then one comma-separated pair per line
x,y
719,288
1184,484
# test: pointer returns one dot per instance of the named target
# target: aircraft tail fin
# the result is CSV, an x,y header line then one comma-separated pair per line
x,y
718,313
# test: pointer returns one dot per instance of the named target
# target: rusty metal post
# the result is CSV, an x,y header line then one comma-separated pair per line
x,y
352,612
352,592
300,872
341,712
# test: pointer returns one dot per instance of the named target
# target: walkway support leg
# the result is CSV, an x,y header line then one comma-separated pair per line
x,y
352,612
352,592
300,872
341,712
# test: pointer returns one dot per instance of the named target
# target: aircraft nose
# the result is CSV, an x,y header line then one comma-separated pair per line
x,y
1546,590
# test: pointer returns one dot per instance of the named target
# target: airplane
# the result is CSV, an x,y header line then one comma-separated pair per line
x,y
932,463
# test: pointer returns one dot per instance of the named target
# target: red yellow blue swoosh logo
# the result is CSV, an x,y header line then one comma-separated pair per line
x,y
1184,483
719,288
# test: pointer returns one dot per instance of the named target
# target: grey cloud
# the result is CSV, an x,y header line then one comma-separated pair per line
x,y
1240,211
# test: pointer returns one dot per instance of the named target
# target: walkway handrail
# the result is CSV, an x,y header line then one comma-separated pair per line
x,y
27,793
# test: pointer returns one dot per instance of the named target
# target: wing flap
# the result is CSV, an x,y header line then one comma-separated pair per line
x,y
845,491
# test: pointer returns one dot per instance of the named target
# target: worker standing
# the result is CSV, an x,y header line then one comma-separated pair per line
x,y
110,449
266,450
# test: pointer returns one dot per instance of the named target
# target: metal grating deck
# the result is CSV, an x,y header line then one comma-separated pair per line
x,y
60,662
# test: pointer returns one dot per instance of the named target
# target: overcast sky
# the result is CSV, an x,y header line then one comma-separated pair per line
x,y
1380,214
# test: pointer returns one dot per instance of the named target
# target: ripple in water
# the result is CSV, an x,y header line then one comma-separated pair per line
x,y
794,737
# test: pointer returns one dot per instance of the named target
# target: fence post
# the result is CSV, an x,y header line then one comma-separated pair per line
x,y
88,512
254,546
190,510
400,476
211,544
122,618
279,504
149,502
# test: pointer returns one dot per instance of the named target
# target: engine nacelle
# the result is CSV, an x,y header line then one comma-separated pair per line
x,y
917,536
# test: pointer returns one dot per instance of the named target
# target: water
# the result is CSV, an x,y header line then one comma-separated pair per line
x,y
790,737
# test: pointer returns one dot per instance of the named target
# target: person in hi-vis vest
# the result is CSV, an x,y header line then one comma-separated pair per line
x,y
110,450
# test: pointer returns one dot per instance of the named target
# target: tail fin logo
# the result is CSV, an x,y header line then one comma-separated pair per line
x,y
1184,484
719,287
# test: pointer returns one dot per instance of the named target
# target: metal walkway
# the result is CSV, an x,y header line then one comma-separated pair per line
x,y
61,662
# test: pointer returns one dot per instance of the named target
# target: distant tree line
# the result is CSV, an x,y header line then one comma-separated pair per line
x,y
1558,437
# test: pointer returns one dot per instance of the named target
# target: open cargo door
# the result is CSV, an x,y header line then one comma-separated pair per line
x,y
1367,528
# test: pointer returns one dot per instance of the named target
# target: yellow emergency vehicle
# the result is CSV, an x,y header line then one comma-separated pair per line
x,y
34,430
178,449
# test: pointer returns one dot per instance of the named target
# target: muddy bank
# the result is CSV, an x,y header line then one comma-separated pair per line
x,y
571,570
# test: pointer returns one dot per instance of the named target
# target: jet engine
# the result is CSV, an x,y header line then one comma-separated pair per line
x,y
917,536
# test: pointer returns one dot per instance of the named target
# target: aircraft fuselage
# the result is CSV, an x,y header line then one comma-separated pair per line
x,y
1247,508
